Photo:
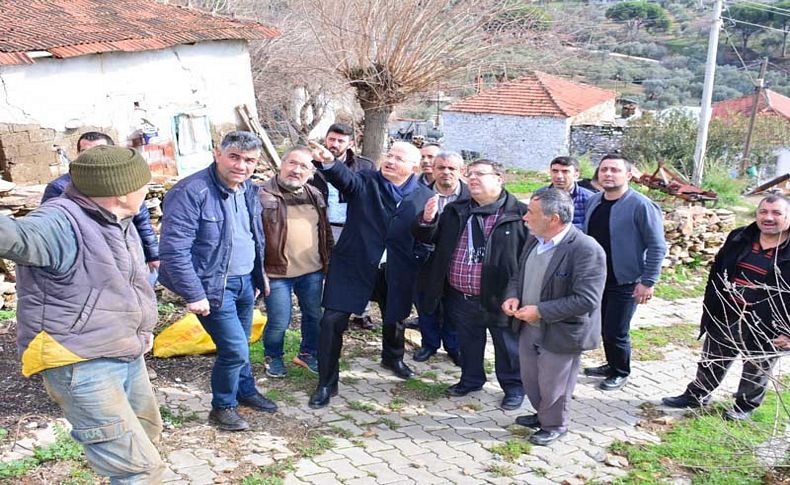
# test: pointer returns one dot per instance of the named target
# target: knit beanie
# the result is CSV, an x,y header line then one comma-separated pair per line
x,y
107,171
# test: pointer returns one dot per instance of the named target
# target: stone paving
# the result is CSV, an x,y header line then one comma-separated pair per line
x,y
440,441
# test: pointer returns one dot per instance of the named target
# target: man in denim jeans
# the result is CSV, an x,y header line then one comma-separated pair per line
x,y
86,311
297,255
212,251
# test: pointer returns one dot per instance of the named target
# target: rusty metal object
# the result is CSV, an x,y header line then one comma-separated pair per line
x,y
669,181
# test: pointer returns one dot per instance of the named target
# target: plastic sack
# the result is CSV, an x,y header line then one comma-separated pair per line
x,y
187,337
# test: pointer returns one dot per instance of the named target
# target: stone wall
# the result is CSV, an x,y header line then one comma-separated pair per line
x,y
595,140
695,233
28,152
516,141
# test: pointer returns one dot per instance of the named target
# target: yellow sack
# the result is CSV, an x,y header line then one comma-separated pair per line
x,y
187,337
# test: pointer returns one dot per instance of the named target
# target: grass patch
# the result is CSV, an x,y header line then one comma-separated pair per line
x,y
647,342
3,434
7,314
64,448
525,181
511,450
683,281
397,404
318,445
388,423
281,395
488,366
362,406
498,470
176,420
341,432
273,474
707,448
421,390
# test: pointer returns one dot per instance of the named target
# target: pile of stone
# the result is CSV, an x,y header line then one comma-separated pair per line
x,y
694,233
153,202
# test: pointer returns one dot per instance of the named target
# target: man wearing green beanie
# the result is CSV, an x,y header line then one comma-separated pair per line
x,y
86,311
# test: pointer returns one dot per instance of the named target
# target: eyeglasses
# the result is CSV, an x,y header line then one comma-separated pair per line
x,y
479,174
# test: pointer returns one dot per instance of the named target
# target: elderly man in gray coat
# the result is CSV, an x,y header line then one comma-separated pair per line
x,y
555,299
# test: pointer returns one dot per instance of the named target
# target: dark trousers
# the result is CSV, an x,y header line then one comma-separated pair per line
x,y
334,323
471,322
436,328
617,308
718,354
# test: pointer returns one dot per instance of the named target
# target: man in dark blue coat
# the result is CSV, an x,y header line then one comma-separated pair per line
x,y
376,258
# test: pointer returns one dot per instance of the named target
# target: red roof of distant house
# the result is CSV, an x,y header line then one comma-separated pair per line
x,y
537,94
770,103
69,28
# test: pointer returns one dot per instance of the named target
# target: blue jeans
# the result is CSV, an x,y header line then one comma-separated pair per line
x,y
113,414
229,327
308,289
617,307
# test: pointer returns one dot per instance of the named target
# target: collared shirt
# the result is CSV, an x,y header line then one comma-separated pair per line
x,y
446,199
464,275
552,243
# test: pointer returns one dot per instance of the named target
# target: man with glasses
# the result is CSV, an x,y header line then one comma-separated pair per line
x,y
477,244
299,240
434,327
375,259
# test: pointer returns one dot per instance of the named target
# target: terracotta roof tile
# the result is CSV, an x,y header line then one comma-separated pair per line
x,y
537,94
771,103
68,28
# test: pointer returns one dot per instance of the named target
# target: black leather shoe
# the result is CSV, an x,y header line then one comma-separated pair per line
x,y
398,368
512,401
685,400
460,390
321,396
423,353
227,419
258,403
600,371
364,323
612,383
455,357
528,420
542,437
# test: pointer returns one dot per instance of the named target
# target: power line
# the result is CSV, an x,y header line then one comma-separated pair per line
x,y
765,7
753,25
735,49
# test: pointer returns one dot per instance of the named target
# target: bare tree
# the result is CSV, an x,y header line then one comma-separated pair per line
x,y
389,51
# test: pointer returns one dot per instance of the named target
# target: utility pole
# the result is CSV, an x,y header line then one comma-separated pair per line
x,y
758,91
707,95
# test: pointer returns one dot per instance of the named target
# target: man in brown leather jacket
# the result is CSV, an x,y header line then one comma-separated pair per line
x,y
298,242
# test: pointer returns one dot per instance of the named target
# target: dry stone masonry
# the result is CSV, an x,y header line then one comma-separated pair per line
x,y
694,234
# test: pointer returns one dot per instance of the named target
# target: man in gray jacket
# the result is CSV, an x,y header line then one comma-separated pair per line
x,y
86,311
555,301
630,229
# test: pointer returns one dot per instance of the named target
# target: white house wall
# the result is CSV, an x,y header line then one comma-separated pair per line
x,y
101,89
516,141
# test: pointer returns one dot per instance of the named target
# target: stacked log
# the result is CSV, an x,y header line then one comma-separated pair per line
x,y
694,234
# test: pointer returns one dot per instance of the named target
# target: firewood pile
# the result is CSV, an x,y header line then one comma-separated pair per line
x,y
695,233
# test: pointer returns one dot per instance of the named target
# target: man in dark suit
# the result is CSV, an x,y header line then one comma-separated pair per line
x,y
555,299
376,258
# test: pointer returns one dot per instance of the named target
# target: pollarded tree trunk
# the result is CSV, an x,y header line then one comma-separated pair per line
x,y
374,135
